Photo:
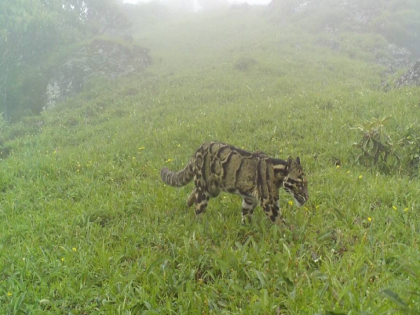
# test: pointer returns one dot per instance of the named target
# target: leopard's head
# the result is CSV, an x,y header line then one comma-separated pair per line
x,y
295,182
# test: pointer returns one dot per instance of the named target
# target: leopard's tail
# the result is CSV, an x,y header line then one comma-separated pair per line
x,y
178,179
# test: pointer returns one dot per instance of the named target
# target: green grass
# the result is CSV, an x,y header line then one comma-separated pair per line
x,y
89,228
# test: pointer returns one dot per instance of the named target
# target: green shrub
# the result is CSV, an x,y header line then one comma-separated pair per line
x,y
409,146
377,148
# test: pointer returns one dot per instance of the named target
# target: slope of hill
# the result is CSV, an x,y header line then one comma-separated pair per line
x,y
89,228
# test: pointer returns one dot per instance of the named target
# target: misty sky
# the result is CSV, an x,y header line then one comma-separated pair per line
x,y
232,1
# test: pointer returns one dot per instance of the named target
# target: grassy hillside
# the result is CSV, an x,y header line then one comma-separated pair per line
x,y
89,228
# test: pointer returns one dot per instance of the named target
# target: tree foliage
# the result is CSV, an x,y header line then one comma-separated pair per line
x,y
32,29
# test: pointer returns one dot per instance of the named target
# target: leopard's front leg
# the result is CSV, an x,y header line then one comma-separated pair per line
x,y
272,210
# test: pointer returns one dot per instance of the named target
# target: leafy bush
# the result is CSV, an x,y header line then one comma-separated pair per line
x,y
376,146
378,150
410,148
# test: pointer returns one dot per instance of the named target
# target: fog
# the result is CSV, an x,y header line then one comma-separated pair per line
x,y
196,5
252,2
382,32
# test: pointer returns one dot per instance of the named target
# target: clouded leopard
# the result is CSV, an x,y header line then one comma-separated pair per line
x,y
217,167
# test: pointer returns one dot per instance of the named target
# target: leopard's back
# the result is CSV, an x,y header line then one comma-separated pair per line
x,y
222,167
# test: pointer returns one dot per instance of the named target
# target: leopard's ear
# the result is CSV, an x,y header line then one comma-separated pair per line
x,y
298,160
289,162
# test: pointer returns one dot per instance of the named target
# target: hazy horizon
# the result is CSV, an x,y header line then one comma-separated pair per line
x,y
260,2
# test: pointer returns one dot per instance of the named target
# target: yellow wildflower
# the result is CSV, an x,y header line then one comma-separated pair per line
x,y
405,209
360,176
291,202
74,249
62,259
369,219
9,293
394,207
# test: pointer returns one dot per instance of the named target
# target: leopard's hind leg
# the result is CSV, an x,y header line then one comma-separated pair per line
x,y
201,200
201,195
